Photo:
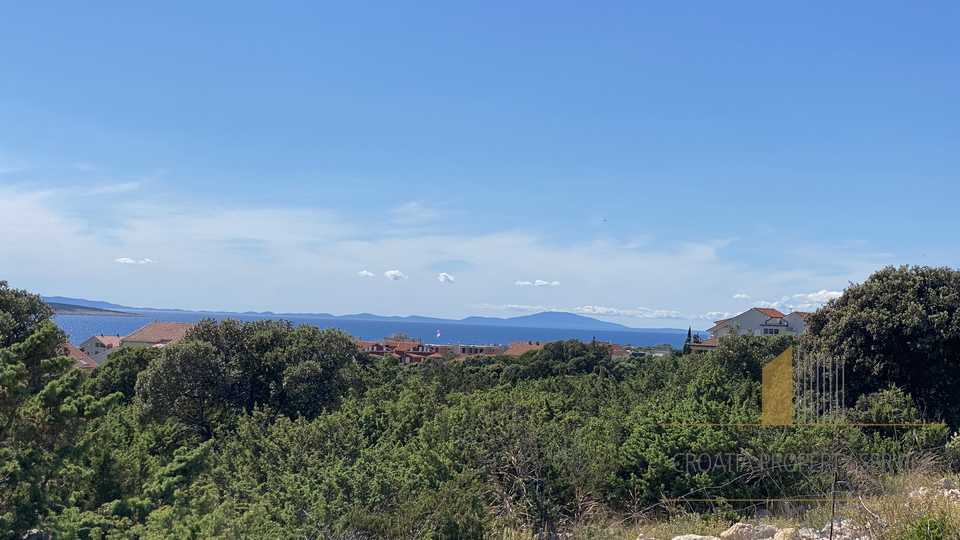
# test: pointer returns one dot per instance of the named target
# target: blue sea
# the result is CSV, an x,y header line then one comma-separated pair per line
x,y
81,327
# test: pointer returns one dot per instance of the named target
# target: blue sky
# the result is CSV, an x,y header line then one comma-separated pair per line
x,y
655,164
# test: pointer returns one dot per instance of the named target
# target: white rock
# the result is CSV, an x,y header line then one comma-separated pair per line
x,y
787,533
695,537
744,531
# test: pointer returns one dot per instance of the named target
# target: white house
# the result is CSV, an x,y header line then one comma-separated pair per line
x,y
98,347
762,321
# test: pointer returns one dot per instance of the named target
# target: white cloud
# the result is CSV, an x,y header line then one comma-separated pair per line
x,y
538,283
128,260
146,261
365,273
823,296
647,313
305,258
801,302
394,275
742,296
445,278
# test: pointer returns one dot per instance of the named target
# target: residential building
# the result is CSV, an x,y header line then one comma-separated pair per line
x,y
462,350
98,347
82,360
759,321
520,347
157,334
700,346
762,321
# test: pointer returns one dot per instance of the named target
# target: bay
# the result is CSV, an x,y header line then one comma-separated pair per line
x,y
81,327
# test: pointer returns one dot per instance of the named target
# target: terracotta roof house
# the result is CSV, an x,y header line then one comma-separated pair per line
x,y
471,349
98,347
617,351
520,347
700,346
762,321
375,348
157,334
82,360
407,358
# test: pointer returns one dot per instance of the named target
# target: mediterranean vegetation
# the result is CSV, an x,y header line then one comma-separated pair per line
x,y
269,430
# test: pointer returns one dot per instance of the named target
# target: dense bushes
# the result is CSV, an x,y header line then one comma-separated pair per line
x,y
266,430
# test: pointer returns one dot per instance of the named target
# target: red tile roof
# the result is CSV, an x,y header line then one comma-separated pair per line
x,y
802,313
83,361
769,312
113,341
401,346
166,333
520,347
721,321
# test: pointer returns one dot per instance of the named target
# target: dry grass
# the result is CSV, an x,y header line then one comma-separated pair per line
x,y
889,513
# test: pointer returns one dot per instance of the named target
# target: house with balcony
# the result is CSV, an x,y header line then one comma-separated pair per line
x,y
759,321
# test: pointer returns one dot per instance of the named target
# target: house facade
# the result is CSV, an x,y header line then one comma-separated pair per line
x,y
761,321
98,347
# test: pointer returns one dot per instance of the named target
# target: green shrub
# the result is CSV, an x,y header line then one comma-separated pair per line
x,y
932,527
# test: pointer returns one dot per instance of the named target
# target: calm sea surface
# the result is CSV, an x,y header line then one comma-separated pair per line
x,y
81,327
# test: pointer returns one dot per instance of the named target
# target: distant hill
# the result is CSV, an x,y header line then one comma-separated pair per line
x,y
547,319
73,309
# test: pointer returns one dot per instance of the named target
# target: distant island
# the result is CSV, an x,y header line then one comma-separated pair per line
x,y
73,309
547,319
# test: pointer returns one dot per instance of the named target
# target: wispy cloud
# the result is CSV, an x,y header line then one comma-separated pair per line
x,y
647,313
314,254
414,213
742,296
822,297
445,278
537,283
118,188
128,260
801,302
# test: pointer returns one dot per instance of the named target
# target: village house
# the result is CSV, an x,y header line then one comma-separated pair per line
x,y
762,321
465,350
157,334
412,351
82,360
407,352
759,321
519,347
98,347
